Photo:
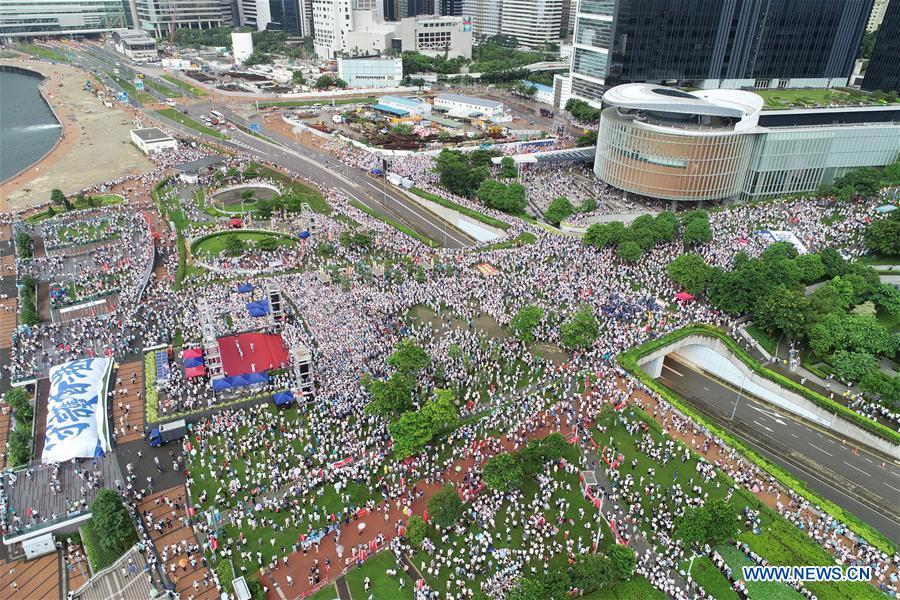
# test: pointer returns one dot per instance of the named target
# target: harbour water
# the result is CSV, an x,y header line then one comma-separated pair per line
x,y
28,128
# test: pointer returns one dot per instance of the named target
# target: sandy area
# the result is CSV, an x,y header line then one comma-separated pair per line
x,y
96,145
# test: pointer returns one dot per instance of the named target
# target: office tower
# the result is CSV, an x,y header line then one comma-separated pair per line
x,y
534,23
485,15
883,72
47,17
161,16
449,8
877,15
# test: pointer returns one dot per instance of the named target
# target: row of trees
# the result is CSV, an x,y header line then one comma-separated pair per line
x,y
883,235
509,198
578,333
28,307
863,182
462,173
561,209
647,231
837,321
19,442
589,573
582,111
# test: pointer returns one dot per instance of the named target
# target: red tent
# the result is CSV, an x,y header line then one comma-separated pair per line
x,y
197,371
235,223
192,353
683,296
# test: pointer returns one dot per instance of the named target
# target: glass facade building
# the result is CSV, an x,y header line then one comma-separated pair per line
x,y
286,13
19,18
883,72
715,145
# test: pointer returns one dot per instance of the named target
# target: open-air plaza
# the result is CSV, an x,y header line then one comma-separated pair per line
x,y
276,368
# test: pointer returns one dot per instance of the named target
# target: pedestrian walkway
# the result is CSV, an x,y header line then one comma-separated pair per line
x,y
126,579
128,403
190,581
8,323
32,579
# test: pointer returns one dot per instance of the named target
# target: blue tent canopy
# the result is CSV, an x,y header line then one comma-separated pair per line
x,y
193,362
221,384
256,377
259,308
245,287
283,398
303,234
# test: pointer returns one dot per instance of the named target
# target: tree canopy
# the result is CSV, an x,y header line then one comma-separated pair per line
x,y
525,321
445,507
581,330
558,211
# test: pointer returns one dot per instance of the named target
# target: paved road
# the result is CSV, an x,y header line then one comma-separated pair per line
x,y
855,479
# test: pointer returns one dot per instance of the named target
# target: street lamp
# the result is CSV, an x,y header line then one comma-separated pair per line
x,y
738,399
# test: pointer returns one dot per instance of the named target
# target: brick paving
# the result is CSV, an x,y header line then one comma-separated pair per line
x,y
7,322
30,580
128,425
184,576
5,425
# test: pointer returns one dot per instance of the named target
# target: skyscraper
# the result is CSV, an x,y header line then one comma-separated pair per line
x,y
485,15
716,43
883,72
534,23
449,8
49,17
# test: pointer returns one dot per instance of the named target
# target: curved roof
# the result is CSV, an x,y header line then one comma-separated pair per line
x,y
719,103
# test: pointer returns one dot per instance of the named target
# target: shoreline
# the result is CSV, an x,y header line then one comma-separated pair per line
x,y
62,127
55,154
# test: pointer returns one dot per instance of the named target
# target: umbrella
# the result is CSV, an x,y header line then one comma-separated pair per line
x,y
182,562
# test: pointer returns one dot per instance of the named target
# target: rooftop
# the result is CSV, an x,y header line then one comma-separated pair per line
x,y
720,103
196,165
400,100
469,100
152,134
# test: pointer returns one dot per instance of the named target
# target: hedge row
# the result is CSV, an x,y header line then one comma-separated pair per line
x,y
628,361
98,555
152,396
478,216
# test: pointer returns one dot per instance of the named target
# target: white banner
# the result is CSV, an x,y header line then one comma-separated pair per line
x,y
76,410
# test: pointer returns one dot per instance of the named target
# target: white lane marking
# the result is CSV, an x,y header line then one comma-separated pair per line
x,y
764,427
869,460
793,434
820,450
673,370
892,487
819,434
706,388
768,413
857,468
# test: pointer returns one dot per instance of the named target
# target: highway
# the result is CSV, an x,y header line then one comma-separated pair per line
x,y
854,478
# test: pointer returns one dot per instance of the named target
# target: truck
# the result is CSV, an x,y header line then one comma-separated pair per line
x,y
394,178
546,113
166,432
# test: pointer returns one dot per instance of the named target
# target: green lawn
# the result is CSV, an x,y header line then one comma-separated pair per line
x,y
768,590
801,98
307,194
215,245
337,101
383,587
128,86
165,90
763,338
174,115
329,592
396,225
86,203
43,52
196,91
711,578
879,260
892,322
523,239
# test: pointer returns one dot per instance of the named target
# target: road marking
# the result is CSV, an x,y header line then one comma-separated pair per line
x,y
868,459
764,427
819,434
706,388
673,370
820,450
857,468
892,487
793,434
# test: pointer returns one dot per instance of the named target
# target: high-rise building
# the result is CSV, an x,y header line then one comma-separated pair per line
x,y
877,14
567,18
254,13
534,23
285,15
427,34
332,22
715,43
485,15
883,72
160,16
449,8
61,17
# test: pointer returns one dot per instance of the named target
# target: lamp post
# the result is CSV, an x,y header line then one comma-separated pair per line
x,y
738,399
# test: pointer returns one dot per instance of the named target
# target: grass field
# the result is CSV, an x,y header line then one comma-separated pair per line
x,y
43,52
329,592
165,90
763,338
324,102
711,578
174,115
638,588
801,98
478,216
523,239
101,200
307,194
215,245
382,585
196,91
142,97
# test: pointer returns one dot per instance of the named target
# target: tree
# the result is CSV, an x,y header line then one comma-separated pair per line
x,y
582,111
458,175
555,447
782,309
503,472
247,195
391,398
811,268
558,211
581,330
297,78
697,232
590,573
833,262
415,531
887,298
415,429
111,520
586,140
234,245
629,251
268,243
525,321
691,272
601,235
251,172
514,199
258,58
622,562
554,585
323,82
883,235
666,226
834,296
263,209
508,168
409,358
445,507
853,366
855,333
713,523
60,199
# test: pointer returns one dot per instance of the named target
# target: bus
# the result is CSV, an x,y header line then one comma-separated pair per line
x,y
217,116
